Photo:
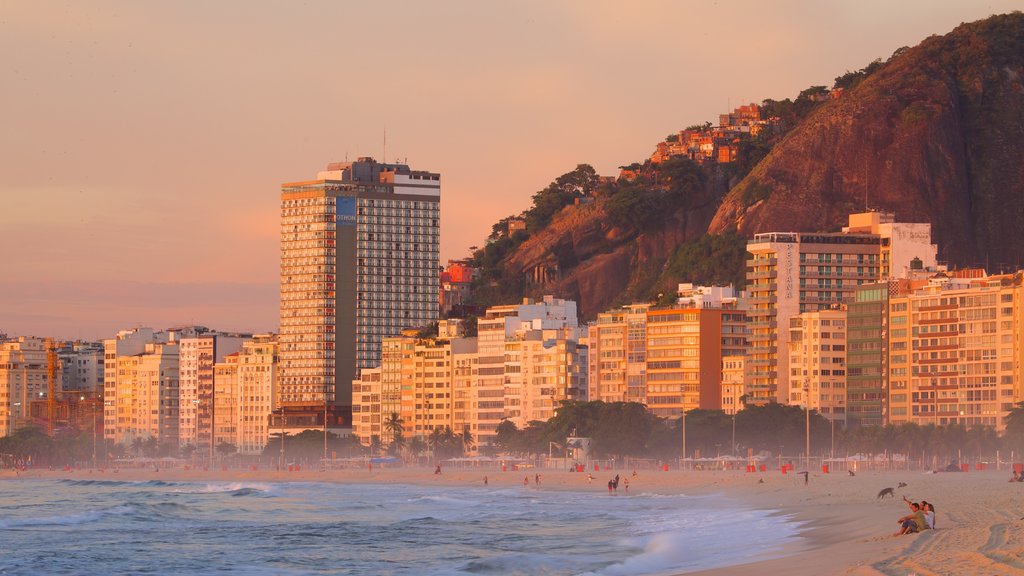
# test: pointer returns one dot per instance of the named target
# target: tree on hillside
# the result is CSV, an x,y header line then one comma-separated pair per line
x,y
559,194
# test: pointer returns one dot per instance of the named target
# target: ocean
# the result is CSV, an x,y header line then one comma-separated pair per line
x,y
113,527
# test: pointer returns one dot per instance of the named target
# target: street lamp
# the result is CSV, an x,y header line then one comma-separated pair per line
x,y
807,410
733,450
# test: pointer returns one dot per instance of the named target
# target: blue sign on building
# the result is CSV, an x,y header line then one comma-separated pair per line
x,y
346,211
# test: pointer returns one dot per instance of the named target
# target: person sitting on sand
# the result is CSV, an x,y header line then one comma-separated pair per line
x,y
913,522
929,514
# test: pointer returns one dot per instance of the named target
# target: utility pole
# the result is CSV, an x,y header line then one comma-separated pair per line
x,y
683,461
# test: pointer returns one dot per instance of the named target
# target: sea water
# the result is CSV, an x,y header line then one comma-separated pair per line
x,y
112,527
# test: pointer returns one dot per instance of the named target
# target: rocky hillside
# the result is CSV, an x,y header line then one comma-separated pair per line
x,y
936,134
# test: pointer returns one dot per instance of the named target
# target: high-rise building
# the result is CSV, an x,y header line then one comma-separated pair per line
x,y
359,263
795,272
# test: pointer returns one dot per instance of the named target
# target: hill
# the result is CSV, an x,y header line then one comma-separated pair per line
x,y
935,134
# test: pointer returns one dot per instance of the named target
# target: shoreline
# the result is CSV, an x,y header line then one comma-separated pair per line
x,y
843,527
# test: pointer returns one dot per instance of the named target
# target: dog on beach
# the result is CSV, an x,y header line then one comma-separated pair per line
x,y
886,492
902,485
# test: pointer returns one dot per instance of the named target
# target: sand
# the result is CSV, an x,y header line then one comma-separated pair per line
x,y
845,528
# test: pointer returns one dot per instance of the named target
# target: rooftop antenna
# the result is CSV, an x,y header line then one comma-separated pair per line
x,y
385,143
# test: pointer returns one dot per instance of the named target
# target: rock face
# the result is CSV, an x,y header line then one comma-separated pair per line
x,y
936,135
581,256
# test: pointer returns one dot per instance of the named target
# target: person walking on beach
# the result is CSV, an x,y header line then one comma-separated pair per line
x,y
526,481
485,480
536,479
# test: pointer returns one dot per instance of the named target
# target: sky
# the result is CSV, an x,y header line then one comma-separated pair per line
x,y
143,144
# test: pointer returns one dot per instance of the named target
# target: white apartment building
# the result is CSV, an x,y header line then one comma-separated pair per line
x,y
257,392
198,355
141,384
82,366
23,378
817,362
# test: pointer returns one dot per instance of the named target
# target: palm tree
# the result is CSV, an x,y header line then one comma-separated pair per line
x,y
138,446
448,441
395,426
435,441
375,445
416,447
467,439
151,447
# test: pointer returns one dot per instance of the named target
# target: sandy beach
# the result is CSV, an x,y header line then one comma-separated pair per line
x,y
845,528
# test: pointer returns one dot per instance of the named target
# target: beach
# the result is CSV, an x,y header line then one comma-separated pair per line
x,y
844,527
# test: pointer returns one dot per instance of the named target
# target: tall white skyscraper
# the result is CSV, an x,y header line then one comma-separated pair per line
x,y
360,253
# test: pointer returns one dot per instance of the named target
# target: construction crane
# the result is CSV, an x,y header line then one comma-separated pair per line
x,y
52,365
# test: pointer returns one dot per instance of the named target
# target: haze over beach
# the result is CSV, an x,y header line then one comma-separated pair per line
x,y
145,144
564,288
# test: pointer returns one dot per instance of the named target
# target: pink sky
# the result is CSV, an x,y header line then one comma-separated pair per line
x,y
144,144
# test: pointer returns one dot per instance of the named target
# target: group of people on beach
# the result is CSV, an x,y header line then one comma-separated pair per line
x,y
921,517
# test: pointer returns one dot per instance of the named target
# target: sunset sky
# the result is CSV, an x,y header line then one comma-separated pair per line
x,y
144,144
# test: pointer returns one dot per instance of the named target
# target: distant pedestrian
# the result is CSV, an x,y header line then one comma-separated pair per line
x,y
626,482
536,479
526,481
485,480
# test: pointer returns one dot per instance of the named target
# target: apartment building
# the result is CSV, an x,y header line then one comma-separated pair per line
x,y
197,357
684,360
525,361
359,262
617,342
257,392
817,362
24,378
955,349
795,272
733,383
82,367
867,341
